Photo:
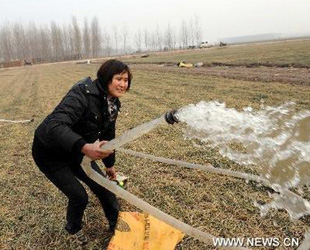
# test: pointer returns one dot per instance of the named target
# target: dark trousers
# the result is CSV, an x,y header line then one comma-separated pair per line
x,y
64,175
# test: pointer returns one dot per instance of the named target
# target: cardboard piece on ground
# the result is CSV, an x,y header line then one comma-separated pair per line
x,y
135,231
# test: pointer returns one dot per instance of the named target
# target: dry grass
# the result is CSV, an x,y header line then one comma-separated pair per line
x,y
283,53
32,210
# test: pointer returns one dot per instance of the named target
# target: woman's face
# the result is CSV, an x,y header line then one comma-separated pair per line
x,y
118,85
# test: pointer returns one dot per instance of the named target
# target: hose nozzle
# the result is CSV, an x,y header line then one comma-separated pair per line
x,y
170,117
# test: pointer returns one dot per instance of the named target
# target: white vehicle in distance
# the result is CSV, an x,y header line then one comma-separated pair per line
x,y
204,45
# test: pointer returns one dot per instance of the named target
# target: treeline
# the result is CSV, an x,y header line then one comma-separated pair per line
x,y
51,43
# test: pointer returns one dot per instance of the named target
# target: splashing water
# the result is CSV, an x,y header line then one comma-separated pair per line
x,y
274,139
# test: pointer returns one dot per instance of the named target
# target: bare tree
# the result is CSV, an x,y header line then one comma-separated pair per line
x,y
153,41
168,39
174,38
115,37
124,38
96,37
44,53
191,32
33,36
57,44
86,39
72,42
19,41
158,38
1,49
197,29
107,44
184,36
6,43
146,39
67,41
77,38
138,40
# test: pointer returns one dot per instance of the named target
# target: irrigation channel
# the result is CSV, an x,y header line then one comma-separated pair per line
x,y
276,140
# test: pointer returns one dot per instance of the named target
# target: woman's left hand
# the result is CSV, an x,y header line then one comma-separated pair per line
x,y
111,173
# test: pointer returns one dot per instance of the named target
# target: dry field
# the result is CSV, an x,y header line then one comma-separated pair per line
x,y
32,210
282,53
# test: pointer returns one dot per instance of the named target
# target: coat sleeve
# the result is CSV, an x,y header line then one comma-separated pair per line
x,y
109,135
66,114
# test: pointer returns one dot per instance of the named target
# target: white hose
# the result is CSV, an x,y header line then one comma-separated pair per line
x,y
16,121
305,245
207,167
211,169
133,134
146,207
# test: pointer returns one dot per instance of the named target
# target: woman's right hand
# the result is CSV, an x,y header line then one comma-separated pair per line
x,y
94,151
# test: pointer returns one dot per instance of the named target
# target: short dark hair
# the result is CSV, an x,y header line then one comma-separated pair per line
x,y
110,68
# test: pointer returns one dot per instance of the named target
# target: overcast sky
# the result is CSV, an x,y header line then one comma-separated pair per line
x,y
219,19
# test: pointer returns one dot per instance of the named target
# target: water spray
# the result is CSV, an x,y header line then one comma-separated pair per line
x,y
270,137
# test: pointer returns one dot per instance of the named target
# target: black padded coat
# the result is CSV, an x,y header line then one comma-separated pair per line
x,y
81,117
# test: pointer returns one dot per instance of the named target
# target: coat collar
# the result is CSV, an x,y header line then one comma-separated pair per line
x,y
95,88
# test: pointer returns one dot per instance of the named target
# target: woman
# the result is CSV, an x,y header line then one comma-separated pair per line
x,y
81,123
